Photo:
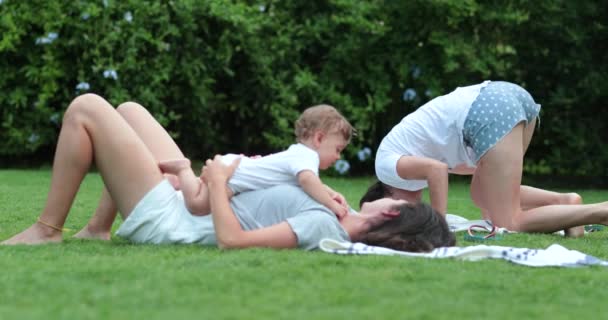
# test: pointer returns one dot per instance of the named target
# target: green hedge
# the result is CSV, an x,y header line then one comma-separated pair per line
x,y
233,75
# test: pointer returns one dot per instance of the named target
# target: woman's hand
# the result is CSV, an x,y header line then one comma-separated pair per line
x,y
215,171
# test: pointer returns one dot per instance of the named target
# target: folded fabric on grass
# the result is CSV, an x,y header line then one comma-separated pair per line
x,y
554,256
458,223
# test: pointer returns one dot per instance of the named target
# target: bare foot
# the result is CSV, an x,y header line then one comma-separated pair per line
x,y
575,232
36,234
174,166
571,198
90,234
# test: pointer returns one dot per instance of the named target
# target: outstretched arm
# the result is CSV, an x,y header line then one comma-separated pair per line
x,y
433,171
228,230
313,186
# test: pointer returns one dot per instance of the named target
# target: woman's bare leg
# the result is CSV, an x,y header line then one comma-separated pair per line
x,y
534,198
92,130
498,179
100,224
158,141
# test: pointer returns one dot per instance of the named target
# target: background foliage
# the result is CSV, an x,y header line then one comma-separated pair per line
x,y
233,75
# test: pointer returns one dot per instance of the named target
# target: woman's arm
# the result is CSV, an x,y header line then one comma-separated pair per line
x,y
228,231
433,171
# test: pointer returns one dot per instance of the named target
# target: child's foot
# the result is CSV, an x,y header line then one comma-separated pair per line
x,y
89,234
36,234
174,166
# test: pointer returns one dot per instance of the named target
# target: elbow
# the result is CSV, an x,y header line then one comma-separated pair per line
x,y
436,170
223,246
440,167
230,242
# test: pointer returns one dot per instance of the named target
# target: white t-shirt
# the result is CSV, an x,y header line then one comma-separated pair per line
x,y
433,131
272,170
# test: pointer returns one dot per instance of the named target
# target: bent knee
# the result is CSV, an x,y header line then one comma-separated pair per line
x,y
127,107
82,106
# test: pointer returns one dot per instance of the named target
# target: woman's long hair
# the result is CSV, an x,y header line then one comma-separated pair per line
x,y
418,228
376,191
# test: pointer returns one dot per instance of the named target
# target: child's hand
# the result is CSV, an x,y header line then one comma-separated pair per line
x,y
339,210
339,198
217,172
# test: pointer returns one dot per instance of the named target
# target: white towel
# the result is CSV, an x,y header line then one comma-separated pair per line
x,y
458,223
554,256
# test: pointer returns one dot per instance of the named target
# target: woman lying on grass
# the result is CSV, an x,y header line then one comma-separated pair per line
x,y
126,145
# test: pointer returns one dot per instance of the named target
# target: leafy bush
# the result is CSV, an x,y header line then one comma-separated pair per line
x,y
228,76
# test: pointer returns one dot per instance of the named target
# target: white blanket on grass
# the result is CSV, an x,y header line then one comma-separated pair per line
x,y
553,256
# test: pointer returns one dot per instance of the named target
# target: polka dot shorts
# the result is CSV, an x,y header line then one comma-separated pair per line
x,y
499,107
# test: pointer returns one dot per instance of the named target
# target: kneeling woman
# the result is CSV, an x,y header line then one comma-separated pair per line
x,y
483,130
126,146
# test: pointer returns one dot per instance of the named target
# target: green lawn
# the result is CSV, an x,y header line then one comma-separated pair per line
x,y
117,280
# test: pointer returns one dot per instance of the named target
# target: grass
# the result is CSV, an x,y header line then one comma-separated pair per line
x,y
101,280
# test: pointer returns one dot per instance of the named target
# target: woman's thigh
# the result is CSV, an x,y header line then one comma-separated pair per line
x,y
497,180
127,166
154,136
495,112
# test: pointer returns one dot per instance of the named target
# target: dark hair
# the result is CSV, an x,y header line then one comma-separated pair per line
x,y
418,228
376,191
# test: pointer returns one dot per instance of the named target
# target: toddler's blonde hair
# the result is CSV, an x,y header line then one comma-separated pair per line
x,y
325,118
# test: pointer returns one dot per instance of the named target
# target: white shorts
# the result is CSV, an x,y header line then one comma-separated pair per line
x,y
386,171
161,217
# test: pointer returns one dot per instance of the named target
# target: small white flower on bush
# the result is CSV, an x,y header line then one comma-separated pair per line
x,y
49,38
128,16
85,16
33,138
54,118
262,8
342,166
364,154
409,94
428,93
83,86
416,71
110,73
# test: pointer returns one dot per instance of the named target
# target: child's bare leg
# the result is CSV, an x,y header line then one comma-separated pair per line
x,y
195,191
174,166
